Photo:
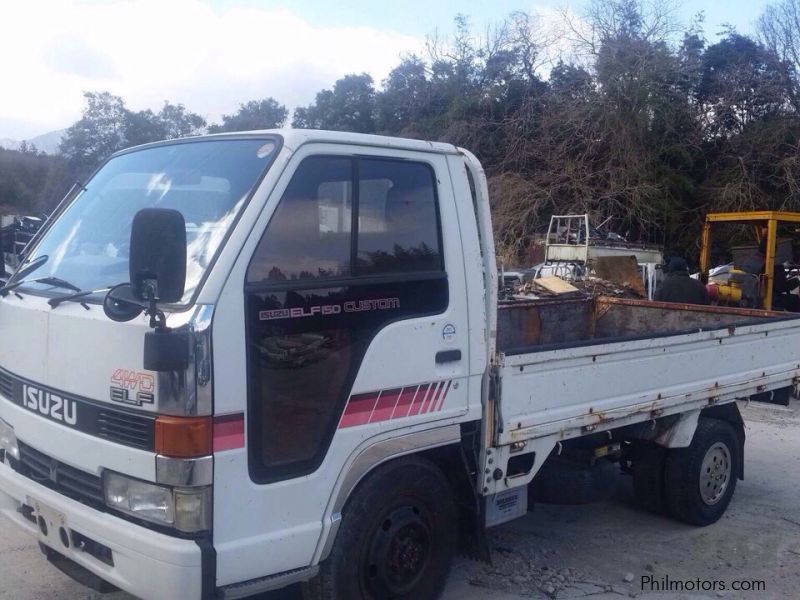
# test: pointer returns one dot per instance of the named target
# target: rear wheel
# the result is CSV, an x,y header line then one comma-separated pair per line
x,y
700,480
397,537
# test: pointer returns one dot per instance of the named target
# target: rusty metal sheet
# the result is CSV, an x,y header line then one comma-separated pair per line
x,y
621,270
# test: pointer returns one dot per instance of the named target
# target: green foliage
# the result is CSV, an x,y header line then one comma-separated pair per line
x,y
107,126
31,183
256,114
349,106
99,133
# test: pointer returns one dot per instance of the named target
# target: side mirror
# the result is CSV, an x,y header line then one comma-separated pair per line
x,y
158,255
119,304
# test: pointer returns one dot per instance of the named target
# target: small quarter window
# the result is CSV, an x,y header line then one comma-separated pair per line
x,y
398,224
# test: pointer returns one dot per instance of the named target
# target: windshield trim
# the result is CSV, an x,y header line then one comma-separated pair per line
x,y
67,201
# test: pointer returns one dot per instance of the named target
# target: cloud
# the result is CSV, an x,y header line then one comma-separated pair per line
x,y
71,55
149,51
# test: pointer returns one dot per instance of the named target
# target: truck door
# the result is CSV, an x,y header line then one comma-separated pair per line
x,y
349,305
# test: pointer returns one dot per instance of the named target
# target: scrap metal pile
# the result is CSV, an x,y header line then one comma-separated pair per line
x,y
617,277
589,286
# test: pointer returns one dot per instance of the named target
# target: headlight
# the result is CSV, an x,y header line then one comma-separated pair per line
x,y
185,509
8,440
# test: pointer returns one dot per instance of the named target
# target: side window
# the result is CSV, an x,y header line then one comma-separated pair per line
x,y
309,237
398,221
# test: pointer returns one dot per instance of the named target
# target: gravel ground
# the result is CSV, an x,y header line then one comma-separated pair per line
x,y
600,550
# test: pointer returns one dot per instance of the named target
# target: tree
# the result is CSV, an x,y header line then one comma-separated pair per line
x,y
30,182
177,122
349,106
647,123
27,148
405,97
256,114
97,134
742,82
108,126
142,127
778,29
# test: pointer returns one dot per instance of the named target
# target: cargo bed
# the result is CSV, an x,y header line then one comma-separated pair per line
x,y
569,367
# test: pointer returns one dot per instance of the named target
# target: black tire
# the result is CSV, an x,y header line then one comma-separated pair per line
x,y
563,481
397,537
649,462
716,443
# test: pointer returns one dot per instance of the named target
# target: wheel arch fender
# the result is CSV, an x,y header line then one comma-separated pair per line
x,y
440,446
680,433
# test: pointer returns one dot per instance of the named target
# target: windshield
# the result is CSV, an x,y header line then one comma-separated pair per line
x,y
207,181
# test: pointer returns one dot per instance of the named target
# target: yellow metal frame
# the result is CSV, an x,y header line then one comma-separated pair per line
x,y
770,218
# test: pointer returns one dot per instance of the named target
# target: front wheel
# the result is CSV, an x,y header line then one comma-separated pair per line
x,y
700,480
397,537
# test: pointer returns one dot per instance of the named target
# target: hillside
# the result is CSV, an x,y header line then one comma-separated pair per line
x,y
47,142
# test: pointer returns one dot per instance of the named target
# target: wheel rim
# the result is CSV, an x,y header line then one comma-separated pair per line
x,y
399,553
715,473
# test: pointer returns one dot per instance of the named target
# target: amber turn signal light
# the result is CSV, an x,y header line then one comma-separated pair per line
x,y
183,437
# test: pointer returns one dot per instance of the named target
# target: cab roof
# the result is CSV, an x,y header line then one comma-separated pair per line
x,y
294,138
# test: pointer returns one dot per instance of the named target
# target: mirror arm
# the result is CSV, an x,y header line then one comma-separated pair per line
x,y
158,319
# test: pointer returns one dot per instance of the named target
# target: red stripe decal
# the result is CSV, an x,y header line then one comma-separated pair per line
x,y
359,409
419,399
405,400
416,408
427,398
435,398
228,432
385,405
441,398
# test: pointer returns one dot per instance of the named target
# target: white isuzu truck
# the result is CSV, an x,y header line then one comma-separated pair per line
x,y
232,363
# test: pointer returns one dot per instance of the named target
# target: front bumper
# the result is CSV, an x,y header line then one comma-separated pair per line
x,y
146,563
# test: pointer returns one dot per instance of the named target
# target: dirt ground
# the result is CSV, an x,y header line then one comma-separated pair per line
x,y
599,551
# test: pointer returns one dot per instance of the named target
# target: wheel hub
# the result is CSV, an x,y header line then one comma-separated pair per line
x,y
715,473
399,553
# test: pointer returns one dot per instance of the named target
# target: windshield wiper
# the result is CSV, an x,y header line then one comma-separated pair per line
x,y
58,282
53,281
26,270
54,302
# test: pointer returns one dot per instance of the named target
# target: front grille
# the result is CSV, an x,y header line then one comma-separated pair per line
x,y
125,428
72,482
121,425
6,386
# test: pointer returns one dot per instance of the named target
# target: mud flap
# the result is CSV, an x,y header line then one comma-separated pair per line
x,y
506,505
474,541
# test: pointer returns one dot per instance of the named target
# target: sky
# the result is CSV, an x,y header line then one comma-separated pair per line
x,y
212,55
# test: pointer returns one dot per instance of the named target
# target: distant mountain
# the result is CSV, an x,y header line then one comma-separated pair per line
x,y
47,142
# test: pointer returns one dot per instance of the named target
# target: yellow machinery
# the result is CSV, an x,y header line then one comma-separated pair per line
x,y
763,222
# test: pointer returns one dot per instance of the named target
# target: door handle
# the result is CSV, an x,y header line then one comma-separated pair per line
x,y
445,356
